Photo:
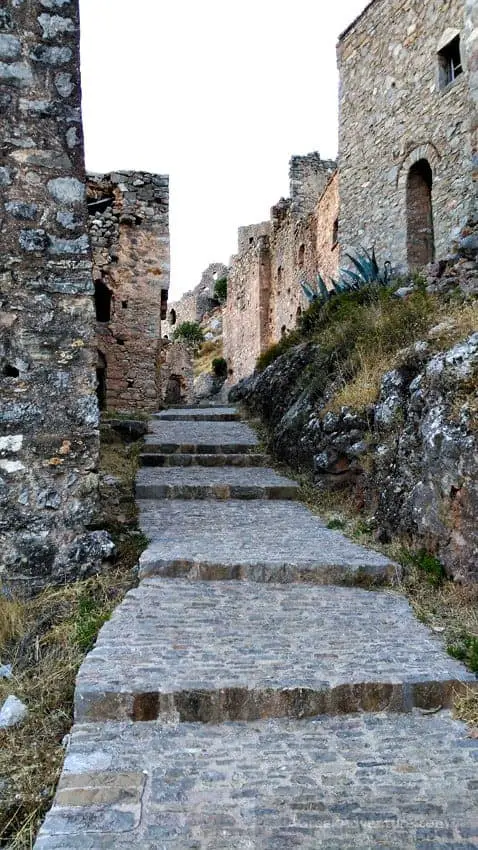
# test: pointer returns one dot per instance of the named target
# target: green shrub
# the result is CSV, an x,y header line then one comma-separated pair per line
x,y
427,564
219,367
465,648
189,332
220,289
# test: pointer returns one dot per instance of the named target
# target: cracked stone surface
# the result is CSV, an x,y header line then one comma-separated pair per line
x,y
205,437
278,712
398,782
280,541
196,414
216,651
198,482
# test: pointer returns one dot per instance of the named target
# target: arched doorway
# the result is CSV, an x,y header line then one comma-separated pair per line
x,y
420,235
173,390
101,380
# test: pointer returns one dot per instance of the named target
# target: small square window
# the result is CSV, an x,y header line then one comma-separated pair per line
x,y
450,66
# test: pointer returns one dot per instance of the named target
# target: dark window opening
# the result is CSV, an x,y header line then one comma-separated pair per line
x,y
172,317
299,312
164,304
11,371
99,205
102,302
450,65
335,233
251,240
120,341
124,305
301,256
283,330
420,234
130,383
101,380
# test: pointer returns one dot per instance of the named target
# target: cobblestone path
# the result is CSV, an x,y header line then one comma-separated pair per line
x,y
247,695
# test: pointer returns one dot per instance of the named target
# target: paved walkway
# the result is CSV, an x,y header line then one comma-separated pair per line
x,y
242,696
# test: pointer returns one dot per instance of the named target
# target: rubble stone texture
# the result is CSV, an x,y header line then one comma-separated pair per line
x,y
48,406
205,712
129,229
265,298
399,121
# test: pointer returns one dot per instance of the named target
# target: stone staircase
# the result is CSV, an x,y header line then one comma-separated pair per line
x,y
247,694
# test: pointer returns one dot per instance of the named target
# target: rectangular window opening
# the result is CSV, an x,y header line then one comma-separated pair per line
x,y
450,64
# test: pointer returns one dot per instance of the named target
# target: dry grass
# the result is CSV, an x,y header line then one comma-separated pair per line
x,y
46,639
376,355
207,353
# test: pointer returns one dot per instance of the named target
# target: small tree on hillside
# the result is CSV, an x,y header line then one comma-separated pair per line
x,y
190,333
220,289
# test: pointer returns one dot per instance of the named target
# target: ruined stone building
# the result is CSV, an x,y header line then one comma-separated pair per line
x,y
48,405
129,230
406,182
405,132
264,293
195,304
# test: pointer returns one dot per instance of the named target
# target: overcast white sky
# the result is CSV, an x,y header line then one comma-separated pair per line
x,y
216,93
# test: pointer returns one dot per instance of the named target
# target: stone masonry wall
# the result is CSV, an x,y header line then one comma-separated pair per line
x,y
48,408
246,312
394,112
193,305
265,298
129,228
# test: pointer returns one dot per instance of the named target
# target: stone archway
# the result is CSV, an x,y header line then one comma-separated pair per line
x,y
420,232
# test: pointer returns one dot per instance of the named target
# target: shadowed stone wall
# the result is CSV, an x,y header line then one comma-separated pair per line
x,y
397,110
48,407
264,297
129,229
195,304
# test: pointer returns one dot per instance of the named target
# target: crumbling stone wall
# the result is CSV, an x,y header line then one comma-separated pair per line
x,y
176,373
48,406
396,112
129,229
195,304
265,298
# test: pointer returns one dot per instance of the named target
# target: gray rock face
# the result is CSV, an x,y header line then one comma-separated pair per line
x,y
12,713
420,442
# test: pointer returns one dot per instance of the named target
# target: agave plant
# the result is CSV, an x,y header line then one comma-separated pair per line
x,y
366,272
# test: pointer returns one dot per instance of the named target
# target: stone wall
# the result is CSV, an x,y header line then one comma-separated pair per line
x,y
129,228
176,374
195,304
395,113
48,408
265,298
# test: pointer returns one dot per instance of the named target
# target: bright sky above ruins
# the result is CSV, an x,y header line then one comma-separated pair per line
x,y
217,93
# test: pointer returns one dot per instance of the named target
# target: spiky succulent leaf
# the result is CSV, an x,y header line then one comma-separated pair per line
x,y
321,287
309,293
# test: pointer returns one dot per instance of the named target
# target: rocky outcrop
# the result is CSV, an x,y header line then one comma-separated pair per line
x,y
411,459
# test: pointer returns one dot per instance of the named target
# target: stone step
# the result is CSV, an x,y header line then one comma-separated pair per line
x,y
196,482
397,782
198,414
199,438
251,459
266,541
226,651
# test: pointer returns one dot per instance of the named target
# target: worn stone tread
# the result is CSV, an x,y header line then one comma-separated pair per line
x,y
279,541
397,782
196,414
200,437
157,459
196,482
218,651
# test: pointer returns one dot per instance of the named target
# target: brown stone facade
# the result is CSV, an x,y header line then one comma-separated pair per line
x,y
48,408
195,304
405,140
265,298
175,373
129,229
